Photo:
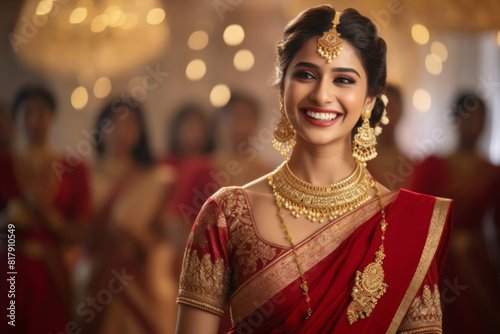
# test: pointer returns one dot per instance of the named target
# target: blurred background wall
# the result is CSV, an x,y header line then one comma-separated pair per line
x,y
89,51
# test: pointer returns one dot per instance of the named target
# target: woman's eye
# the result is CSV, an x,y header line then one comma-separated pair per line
x,y
344,80
303,75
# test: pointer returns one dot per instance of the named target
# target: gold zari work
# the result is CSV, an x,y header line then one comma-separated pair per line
x,y
425,313
330,44
203,278
319,202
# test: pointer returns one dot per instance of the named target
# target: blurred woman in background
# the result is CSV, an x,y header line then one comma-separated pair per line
x,y
128,238
387,168
6,129
191,145
471,271
238,127
46,198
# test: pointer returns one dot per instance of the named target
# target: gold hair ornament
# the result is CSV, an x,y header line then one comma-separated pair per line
x,y
330,44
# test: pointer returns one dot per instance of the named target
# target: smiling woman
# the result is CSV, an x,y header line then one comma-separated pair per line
x,y
352,257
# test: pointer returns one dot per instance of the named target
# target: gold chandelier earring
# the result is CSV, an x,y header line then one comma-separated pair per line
x,y
363,145
284,135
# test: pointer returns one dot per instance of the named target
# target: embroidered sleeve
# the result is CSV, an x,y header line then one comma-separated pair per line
x,y
206,275
424,314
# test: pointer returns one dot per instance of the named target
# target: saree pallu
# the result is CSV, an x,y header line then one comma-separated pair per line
x,y
226,260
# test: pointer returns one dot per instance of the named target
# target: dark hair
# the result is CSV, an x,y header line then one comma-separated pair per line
x,y
239,97
354,28
141,152
465,104
29,92
394,90
174,125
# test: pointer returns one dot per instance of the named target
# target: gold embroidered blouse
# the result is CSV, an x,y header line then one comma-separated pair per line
x,y
222,252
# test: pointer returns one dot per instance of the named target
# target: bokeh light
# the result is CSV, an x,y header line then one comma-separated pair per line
x,y
220,95
422,100
79,98
196,70
420,34
433,64
130,21
440,50
198,40
234,34
114,15
99,23
78,15
44,7
155,16
243,60
102,87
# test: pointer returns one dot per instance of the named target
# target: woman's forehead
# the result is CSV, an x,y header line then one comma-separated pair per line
x,y
348,57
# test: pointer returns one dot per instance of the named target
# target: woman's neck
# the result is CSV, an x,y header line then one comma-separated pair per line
x,y
322,164
33,149
116,165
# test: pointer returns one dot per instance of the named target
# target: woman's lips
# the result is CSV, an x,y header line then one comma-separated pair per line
x,y
320,117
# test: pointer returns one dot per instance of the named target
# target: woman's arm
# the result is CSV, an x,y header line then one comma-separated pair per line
x,y
192,320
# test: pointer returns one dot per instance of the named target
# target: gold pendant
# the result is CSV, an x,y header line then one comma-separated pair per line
x,y
368,288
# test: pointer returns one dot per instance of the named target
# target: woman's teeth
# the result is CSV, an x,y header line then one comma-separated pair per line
x,y
321,116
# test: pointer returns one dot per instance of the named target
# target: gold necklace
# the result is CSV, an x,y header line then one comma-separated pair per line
x,y
320,202
369,285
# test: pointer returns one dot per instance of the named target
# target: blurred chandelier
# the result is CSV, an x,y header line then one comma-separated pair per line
x,y
89,38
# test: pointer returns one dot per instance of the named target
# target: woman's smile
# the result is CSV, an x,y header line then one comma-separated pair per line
x,y
320,117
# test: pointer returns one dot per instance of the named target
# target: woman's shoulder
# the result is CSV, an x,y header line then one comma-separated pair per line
x,y
410,194
414,203
237,199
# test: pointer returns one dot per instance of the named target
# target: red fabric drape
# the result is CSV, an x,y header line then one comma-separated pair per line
x,y
331,280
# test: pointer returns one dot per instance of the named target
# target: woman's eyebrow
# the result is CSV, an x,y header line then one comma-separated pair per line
x,y
335,69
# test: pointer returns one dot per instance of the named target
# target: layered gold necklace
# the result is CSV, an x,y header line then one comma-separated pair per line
x,y
320,202
333,201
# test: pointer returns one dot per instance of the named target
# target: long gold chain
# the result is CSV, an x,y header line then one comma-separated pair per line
x,y
320,202
369,285
303,285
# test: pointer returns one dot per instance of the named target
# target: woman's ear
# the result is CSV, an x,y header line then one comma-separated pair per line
x,y
369,102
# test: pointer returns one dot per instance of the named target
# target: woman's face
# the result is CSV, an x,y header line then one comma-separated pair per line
x,y
193,135
122,140
35,119
323,102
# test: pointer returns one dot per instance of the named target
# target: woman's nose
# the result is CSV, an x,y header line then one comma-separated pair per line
x,y
323,92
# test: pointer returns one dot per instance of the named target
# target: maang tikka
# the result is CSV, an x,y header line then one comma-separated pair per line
x,y
330,44
284,135
363,145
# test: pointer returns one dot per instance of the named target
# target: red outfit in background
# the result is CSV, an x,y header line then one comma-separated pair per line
x,y
471,303
42,283
196,182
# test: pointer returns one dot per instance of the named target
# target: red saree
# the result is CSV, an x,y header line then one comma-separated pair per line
x,y
227,261
42,288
